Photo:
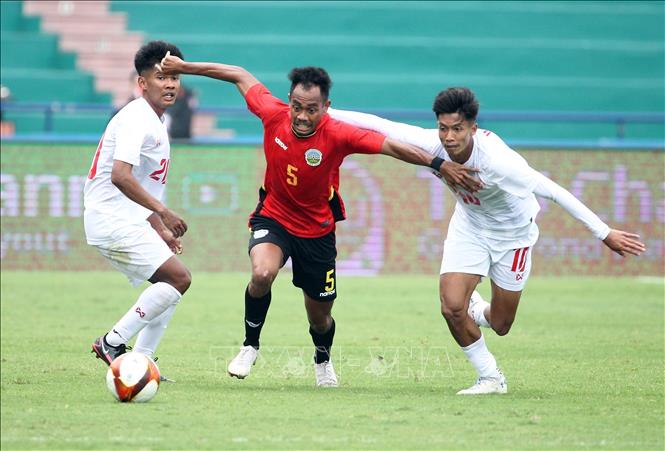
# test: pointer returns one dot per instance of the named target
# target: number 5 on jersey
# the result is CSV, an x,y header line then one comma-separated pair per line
x,y
291,177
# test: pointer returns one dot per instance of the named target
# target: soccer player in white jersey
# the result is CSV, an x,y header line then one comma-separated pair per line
x,y
125,217
492,231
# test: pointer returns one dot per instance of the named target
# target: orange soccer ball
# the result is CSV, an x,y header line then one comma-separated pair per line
x,y
133,377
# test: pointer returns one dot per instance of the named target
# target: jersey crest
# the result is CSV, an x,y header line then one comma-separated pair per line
x,y
313,157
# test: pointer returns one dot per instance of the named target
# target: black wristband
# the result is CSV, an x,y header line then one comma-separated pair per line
x,y
436,163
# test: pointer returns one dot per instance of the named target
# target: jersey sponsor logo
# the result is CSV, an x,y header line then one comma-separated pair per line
x,y
260,233
519,277
140,312
280,143
313,157
327,293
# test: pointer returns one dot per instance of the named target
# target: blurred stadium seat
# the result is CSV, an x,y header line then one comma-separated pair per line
x,y
35,67
535,56
399,54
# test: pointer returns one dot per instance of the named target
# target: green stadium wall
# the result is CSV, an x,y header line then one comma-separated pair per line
x,y
603,56
535,56
398,213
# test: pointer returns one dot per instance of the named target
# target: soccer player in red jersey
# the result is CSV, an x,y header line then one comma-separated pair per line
x,y
299,201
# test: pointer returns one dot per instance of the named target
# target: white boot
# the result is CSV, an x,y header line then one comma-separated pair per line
x,y
325,374
241,364
486,386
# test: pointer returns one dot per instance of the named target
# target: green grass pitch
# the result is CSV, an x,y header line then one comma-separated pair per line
x,y
584,363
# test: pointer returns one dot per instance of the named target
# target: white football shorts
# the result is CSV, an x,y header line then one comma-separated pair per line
x,y
509,267
137,251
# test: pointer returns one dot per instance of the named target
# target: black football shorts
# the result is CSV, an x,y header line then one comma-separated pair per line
x,y
313,259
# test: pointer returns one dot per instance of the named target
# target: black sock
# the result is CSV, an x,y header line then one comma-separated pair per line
x,y
256,310
323,343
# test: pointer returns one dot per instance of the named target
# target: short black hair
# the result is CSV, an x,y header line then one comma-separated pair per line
x,y
152,53
457,100
311,76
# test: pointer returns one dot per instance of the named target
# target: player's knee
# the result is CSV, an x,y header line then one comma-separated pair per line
x,y
453,317
262,278
178,276
182,280
451,311
502,328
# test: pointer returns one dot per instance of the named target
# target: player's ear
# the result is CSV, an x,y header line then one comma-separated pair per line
x,y
142,82
326,104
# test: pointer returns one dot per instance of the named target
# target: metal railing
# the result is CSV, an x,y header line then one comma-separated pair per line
x,y
620,120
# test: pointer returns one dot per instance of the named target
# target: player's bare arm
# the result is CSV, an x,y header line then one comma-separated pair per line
x,y
624,243
456,175
175,244
459,176
233,74
122,178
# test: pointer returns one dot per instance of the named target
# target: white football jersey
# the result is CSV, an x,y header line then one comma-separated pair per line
x,y
504,210
138,136
505,207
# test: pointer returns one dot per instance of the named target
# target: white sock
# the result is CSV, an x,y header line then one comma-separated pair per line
x,y
150,336
153,302
481,358
478,312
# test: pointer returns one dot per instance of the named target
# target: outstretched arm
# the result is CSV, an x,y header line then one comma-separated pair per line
x,y
455,174
415,138
233,74
619,241
427,139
